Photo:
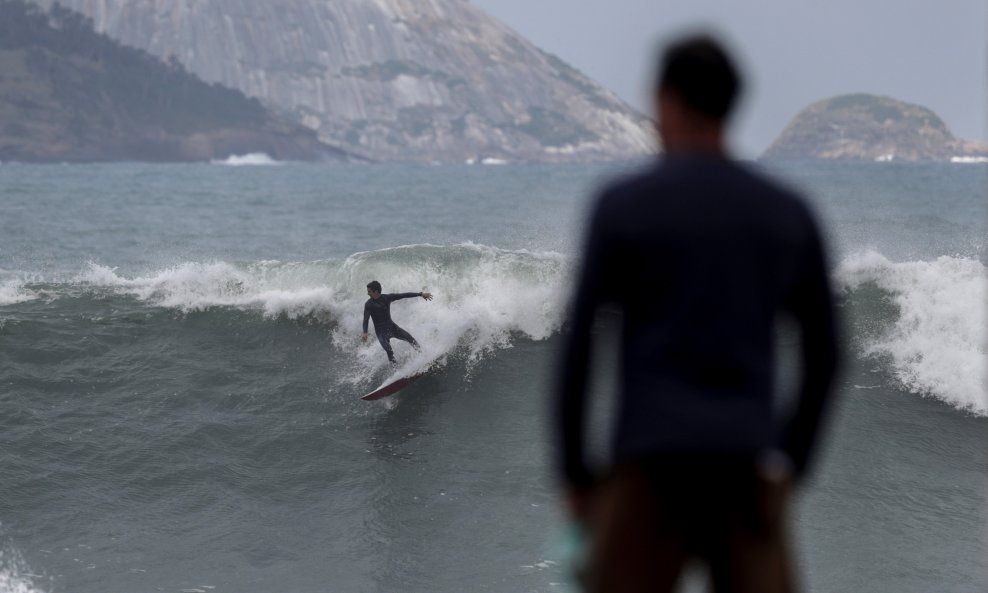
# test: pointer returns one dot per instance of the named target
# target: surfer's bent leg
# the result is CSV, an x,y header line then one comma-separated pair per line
x,y
385,340
407,337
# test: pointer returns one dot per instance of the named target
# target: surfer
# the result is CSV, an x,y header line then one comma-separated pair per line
x,y
378,308
702,255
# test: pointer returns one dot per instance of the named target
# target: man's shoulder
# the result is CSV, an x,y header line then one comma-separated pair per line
x,y
675,174
621,192
632,182
677,186
764,180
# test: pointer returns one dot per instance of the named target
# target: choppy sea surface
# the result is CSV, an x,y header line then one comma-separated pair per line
x,y
181,366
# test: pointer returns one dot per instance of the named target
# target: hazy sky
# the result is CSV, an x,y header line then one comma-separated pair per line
x,y
794,52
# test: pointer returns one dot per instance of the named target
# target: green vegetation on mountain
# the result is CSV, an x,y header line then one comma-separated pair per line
x,y
869,128
68,93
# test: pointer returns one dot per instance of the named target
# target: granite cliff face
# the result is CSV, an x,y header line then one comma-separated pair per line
x,y
388,79
70,94
870,128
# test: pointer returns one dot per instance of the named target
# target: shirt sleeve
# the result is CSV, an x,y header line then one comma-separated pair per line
x,y
404,295
570,398
812,305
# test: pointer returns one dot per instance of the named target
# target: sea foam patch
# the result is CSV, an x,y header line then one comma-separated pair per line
x,y
15,577
275,288
15,291
252,159
938,343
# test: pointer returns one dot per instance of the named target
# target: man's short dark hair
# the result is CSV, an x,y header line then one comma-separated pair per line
x,y
698,69
374,285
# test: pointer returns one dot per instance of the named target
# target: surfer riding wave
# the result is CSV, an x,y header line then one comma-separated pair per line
x,y
378,308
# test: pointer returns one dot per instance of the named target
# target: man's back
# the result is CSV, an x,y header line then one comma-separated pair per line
x,y
701,255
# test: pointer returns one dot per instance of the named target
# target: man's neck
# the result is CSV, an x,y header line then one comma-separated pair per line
x,y
708,142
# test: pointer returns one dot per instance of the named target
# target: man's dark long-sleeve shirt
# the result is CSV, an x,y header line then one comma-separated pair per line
x,y
380,310
701,256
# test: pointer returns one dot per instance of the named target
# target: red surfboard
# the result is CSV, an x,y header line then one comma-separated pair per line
x,y
391,388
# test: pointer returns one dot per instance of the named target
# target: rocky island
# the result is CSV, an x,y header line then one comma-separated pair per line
x,y
863,127
388,79
69,94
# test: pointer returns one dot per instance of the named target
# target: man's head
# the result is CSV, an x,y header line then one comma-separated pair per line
x,y
373,289
695,89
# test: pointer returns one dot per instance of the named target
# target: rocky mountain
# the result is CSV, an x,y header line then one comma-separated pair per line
x,y
70,94
419,80
870,128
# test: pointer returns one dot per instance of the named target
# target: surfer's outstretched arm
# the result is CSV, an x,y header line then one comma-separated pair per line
x,y
813,306
407,295
596,280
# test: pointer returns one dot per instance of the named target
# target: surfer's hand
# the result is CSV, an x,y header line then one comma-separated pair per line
x,y
427,296
363,338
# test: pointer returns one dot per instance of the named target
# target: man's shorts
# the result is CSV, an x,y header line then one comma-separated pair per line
x,y
650,518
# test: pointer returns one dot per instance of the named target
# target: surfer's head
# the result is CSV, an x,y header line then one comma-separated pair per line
x,y
696,86
373,289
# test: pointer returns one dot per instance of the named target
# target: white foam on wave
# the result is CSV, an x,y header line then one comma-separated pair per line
x,y
15,577
246,160
483,297
275,288
14,291
969,160
938,343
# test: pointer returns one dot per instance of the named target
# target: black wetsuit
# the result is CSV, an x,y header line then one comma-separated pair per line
x,y
380,311
700,255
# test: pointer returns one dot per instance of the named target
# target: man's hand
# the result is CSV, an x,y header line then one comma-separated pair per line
x,y
363,338
427,296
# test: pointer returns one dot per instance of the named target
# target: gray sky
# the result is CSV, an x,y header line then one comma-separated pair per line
x,y
794,52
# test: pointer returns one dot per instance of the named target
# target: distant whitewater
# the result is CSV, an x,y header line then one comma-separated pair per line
x,y
253,159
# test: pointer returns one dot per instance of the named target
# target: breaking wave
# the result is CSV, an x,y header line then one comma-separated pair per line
x,y
925,320
484,296
935,335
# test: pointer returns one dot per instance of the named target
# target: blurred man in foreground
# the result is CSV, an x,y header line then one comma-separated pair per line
x,y
702,256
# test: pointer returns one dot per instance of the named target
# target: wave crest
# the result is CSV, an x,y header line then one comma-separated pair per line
x,y
937,343
15,291
483,295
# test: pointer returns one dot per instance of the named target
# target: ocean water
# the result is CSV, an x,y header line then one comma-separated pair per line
x,y
181,370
